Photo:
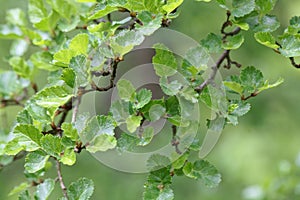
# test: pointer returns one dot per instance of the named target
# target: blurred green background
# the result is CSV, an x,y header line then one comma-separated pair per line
x,y
260,151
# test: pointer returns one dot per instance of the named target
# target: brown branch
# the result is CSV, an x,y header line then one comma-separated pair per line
x,y
214,68
111,81
293,62
224,56
254,94
175,142
76,108
60,179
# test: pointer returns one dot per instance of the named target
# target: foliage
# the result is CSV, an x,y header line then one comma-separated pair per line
x,y
78,41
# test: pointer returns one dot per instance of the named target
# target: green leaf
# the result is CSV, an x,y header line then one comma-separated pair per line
x,y
39,16
19,143
133,122
42,60
290,46
204,171
80,68
24,195
125,40
52,97
127,142
63,57
197,57
19,47
96,126
265,38
23,117
80,43
153,193
51,145
20,188
29,131
10,84
68,75
36,10
295,22
156,112
242,8
172,5
267,23
251,79
234,86
102,142
265,6
157,161
149,23
16,16
20,66
35,161
169,88
102,11
143,97
233,42
164,61
82,189
64,8
125,89
44,189
68,157
9,31
120,111
212,42
146,137
68,25
179,162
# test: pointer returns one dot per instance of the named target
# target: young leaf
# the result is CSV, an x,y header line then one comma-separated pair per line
x,y
265,38
102,142
68,157
79,44
82,189
133,122
69,131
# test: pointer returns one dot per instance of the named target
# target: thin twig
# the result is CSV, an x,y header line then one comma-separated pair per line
x,y
60,179
293,62
214,68
76,109
175,142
